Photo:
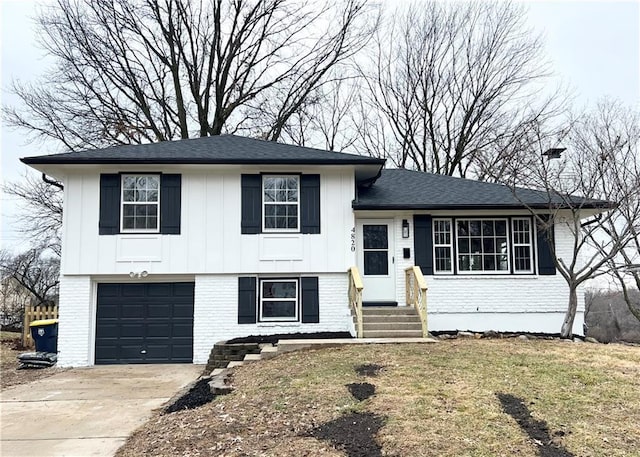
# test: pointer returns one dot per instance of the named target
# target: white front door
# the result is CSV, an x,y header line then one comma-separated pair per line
x,y
376,261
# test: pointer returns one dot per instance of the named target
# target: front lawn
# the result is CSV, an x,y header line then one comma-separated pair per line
x,y
459,397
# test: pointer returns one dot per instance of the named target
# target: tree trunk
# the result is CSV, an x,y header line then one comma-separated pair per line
x,y
567,325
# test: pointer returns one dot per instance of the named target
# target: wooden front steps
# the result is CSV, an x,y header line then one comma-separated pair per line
x,y
391,322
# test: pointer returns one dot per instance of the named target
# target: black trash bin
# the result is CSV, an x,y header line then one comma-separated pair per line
x,y
45,335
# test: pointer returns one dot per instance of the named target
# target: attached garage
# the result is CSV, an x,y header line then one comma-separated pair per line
x,y
144,323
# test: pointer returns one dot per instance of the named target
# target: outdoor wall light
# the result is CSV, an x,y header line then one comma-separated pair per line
x,y
405,228
139,274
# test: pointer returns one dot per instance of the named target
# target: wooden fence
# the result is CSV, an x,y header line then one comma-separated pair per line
x,y
36,313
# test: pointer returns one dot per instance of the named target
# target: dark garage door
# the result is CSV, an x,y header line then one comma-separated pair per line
x,y
144,323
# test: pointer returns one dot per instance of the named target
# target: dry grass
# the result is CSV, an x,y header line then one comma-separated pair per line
x,y
10,375
436,400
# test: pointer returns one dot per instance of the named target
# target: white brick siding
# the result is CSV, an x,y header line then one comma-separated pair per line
x,y
216,312
75,342
493,302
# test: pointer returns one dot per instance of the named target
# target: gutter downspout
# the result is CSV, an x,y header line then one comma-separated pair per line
x,y
52,182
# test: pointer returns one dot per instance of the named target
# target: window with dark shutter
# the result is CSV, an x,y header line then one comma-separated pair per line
x,y
251,211
545,239
139,198
109,223
247,300
310,300
423,243
310,203
170,204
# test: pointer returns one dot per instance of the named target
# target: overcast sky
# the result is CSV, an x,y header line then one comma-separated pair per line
x,y
593,46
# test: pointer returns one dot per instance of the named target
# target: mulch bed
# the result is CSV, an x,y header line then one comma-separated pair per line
x,y
200,394
538,430
370,369
273,339
361,390
353,433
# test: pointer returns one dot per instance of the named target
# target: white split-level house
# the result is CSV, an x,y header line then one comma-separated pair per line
x,y
171,247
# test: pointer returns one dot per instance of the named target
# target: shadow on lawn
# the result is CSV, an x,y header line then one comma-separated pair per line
x,y
537,430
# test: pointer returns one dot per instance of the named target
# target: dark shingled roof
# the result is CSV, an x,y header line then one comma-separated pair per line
x,y
406,189
221,149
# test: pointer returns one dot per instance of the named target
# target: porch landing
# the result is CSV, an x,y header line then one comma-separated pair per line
x,y
294,345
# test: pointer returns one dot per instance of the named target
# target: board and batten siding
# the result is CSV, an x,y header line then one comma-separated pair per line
x,y
210,240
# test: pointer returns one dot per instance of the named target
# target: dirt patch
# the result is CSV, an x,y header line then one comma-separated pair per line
x,y
273,339
353,433
370,369
537,430
200,394
361,390
12,373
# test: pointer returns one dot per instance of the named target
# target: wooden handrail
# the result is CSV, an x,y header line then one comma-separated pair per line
x,y
355,297
416,294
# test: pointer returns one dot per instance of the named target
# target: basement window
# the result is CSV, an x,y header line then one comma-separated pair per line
x,y
279,299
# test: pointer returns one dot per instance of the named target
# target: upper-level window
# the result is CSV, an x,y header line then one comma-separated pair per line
x,y
280,200
140,203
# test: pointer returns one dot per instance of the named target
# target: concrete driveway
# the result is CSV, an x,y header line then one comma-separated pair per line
x,y
85,411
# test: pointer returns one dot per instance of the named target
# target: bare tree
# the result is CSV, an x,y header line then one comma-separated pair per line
x,y
328,119
36,271
135,71
454,88
611,134
40,215
593,193
13,300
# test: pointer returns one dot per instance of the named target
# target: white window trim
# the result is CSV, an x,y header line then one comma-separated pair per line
x,y
450,245
280,230
529,245
122,204
297,300
484,272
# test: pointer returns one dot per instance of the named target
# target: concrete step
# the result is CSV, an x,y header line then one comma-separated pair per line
x,y
392,333
252,357
390,318
374,326
235,364
388,310
269,352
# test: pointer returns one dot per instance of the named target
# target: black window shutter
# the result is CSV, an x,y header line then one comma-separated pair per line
x,y
170,201
423,243
546,239
251,211
310,203
109,223
310,300
246,300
